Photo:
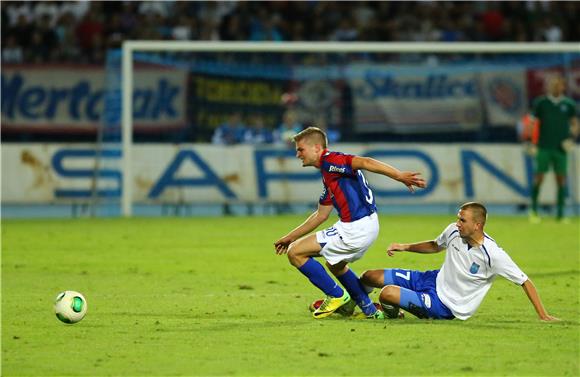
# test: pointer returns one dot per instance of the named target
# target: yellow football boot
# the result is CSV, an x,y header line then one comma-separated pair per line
x,y
330,305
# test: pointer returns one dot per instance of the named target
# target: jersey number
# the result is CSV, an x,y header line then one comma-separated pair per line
x,y
406,275
368,198
331,232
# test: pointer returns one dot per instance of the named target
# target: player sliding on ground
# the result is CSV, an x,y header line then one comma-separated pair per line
x,y
347,190
472,262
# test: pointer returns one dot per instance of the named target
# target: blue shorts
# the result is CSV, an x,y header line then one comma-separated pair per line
x,y
418,292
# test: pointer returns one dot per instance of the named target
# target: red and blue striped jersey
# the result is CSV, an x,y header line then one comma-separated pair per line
x,y
345,188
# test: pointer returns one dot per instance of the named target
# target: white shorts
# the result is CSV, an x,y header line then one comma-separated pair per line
x,y
348,241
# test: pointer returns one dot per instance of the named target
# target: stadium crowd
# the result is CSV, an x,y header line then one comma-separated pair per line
x,y
235,130
81,31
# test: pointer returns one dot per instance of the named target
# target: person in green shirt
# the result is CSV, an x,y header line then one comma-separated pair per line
x,y
558,129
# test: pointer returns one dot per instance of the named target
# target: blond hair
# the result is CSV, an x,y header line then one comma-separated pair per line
x,y
313,134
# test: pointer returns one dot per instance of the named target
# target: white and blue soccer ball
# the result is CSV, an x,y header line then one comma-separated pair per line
x,y
70,307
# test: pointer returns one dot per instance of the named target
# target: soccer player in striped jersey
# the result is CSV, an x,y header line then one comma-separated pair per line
x,y
346,189
472,262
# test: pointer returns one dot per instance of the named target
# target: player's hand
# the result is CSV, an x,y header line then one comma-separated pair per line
x,y
568,144
412,179
394,247
282,245
549,318
531,149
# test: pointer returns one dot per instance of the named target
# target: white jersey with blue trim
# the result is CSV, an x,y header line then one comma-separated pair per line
x,y
468,272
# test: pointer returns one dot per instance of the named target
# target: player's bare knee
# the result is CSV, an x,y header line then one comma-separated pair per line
x,y
389,294
365,277
371,278
292,258
295,258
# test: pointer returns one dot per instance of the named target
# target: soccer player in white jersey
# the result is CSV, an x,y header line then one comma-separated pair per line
x,y
472,262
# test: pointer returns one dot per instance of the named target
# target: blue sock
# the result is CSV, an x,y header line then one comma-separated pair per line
x,y
320,278
353,285
411,302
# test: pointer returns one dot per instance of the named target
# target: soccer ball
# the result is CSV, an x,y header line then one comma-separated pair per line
x,y
70,306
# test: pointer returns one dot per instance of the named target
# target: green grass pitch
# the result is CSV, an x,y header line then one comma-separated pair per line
x,y
208,296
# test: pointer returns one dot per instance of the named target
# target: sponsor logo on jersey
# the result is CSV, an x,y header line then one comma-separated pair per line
x,y
336,169
474,268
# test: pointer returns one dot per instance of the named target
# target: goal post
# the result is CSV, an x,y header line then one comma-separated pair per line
x,y
129,48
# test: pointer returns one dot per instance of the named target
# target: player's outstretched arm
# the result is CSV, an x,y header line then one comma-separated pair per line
x,y
425,247
408,178
534,297
312,222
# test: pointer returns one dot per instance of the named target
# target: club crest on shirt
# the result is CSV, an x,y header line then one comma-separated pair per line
x,y
474,268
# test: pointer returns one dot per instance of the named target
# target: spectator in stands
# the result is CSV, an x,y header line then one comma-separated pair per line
x,y
230,132
22,31
161,8
450,31
68,50
332,134
346,31
48,9
257,132
18,11
113,33
289,127
183,31
77,9
551,31
89,34
36,52
320,21
11,51
129,19
493,22
264,27
49,39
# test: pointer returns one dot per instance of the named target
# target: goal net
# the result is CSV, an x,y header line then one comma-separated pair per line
x,y
385,100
